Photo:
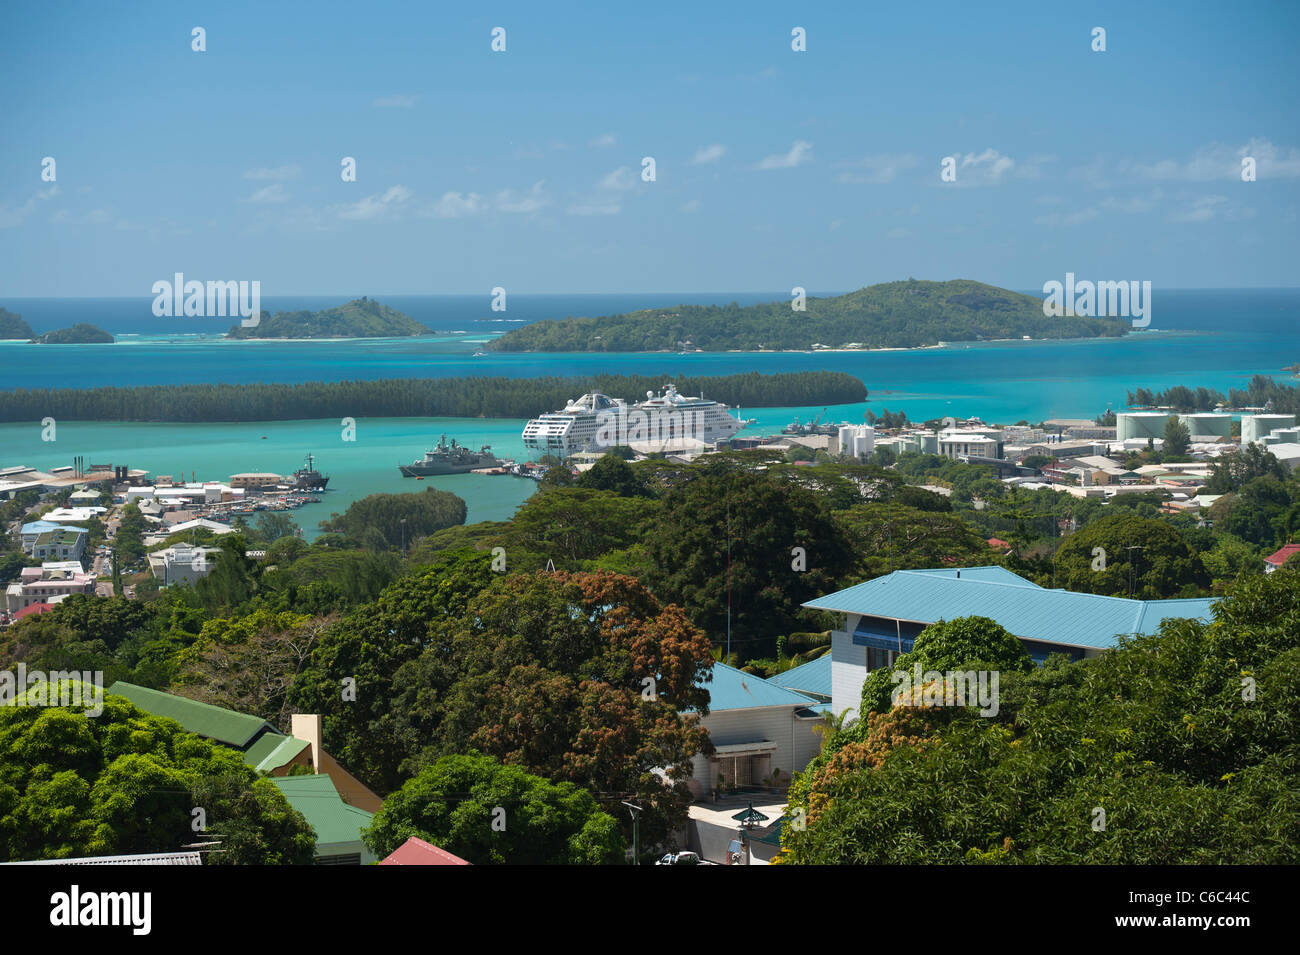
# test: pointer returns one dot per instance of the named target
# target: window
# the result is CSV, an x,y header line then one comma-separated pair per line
x,y
876,659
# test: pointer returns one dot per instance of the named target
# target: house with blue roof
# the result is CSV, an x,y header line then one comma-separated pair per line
x,y
882,618
812,679
762,733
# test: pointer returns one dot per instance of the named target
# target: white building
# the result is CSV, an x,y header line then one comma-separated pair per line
x,y
182,564
758,729
980,442
52,579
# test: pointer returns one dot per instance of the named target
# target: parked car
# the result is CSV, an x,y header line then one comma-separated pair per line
x,y
681,858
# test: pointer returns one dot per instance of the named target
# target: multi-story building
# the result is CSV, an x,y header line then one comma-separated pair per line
x,y
64,543
883,617
50,580
182,564
977,442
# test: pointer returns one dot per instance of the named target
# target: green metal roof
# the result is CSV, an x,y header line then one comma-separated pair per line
x,y
273,750
317,799
214,722
1059,617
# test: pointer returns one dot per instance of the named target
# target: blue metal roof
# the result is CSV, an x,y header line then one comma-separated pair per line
x,y
811,677
1030,612
734,689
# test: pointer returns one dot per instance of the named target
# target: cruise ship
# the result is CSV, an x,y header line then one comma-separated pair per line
x,y
597,422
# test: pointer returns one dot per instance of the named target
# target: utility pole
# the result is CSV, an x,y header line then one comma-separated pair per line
x,y
1130,550
728,657
403,538
635,811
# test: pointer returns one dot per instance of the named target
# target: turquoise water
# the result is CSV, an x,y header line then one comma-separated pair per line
x,y
1228,336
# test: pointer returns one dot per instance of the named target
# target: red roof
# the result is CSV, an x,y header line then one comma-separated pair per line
x,y
32,609
1278,559
415,851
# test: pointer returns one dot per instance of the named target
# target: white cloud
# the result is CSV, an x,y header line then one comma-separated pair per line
x,y
277,173
396,101
1203,209
508,201
620,180
1134,205
10,217
455,205
800,153
983,169
876,169
1220,161
603,141
708,154
691,205
378,206
268,194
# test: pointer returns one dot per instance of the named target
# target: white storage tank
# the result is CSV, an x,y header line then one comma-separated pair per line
x,y
1255,426
1140,424
1207,426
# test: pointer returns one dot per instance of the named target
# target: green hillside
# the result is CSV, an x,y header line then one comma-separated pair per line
x,y
891,315
360,318
78,334
13,326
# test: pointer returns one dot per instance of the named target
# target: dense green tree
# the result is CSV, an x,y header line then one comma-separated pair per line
x,y
489,813
1259,512
964,643
1160,563
613,473
1177,439
476,397
582,677
1187,739
1229,472
72,784
382,516
755,544
248,663
364,652
570,525
888,537
129,540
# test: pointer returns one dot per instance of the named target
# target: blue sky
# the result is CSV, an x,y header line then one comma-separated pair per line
x,y
523,169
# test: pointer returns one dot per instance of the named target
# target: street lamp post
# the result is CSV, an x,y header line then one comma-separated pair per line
x,y
635,811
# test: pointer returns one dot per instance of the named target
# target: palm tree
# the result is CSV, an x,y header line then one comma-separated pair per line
x,y
832,725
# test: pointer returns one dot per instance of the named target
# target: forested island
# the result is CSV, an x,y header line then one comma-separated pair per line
x,y
1261,392
12,327
908,314
476,397
78,334
360,318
